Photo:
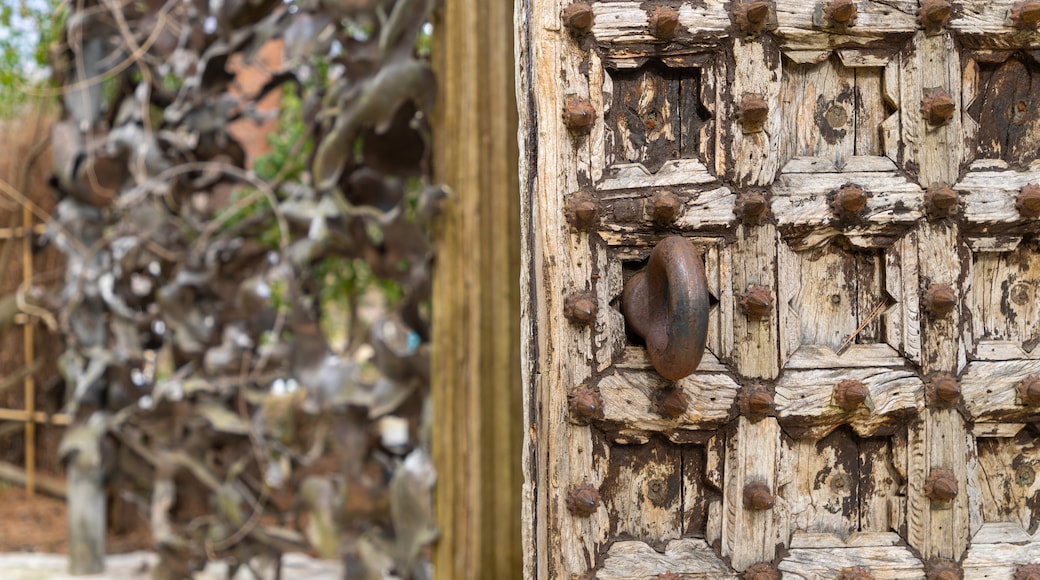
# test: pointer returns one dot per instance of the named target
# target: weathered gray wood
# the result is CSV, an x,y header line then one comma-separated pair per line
x,y
81,451
847,291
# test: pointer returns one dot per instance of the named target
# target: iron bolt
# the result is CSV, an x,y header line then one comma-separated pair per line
x,y
934,14
944,390
757,302
1028,572
1028,201
940,200
752,113
663,22
944,571
585,404
761,571
850,394
752,207
757,496
849,201
580,308
857,573
581,211
752,17
938,107
671,402
664,208
1029,391
755,402
940,300
1026,15
582,500
579,116
578,17
840,13
941,485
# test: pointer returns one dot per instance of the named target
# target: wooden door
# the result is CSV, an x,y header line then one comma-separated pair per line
x,y
860,178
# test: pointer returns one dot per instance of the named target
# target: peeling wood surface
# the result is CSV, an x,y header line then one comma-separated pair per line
x,y
846,293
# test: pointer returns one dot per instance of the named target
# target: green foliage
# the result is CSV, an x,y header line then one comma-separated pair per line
x,y
344,278
27,30
290,144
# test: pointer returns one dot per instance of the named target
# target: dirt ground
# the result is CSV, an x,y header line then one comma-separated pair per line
x,y
38,524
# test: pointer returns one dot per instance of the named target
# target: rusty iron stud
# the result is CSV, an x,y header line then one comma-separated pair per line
x,y
578,18
1028,572
752,113
762,571
940,200
849,201
944,570
583,500
755,402
840,13
857,573
585,404
579,116
1026,15
664,208
757,496
580,308
752,207
944,390
938,107
1028,201
671,402
664,21
757,302
941,485
934,14
1029,391
940,300
751,17
850,394
581,211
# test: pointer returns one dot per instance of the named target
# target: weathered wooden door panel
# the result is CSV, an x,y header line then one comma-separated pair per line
x,y
862,181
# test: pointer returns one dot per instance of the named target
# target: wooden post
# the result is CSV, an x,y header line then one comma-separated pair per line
x,y
476,365
81,451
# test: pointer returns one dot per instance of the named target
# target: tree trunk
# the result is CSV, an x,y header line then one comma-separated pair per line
x,y
476,373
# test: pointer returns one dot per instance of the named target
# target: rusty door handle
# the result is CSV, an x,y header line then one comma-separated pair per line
x,y
667,304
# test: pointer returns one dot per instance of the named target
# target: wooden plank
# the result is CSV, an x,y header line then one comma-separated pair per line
x,y
630,398
804,400
940,262
819,117
752,455
1003,298
620,23
36,417
933,153
939,440
643,491
988,389
1000,560
756,343
476,388
883,562
756,156
691,558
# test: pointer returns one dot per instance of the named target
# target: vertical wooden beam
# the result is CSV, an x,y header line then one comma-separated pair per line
x,y
30,380
476,313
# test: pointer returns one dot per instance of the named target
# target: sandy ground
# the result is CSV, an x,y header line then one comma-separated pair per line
x,y
33,534
136,566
